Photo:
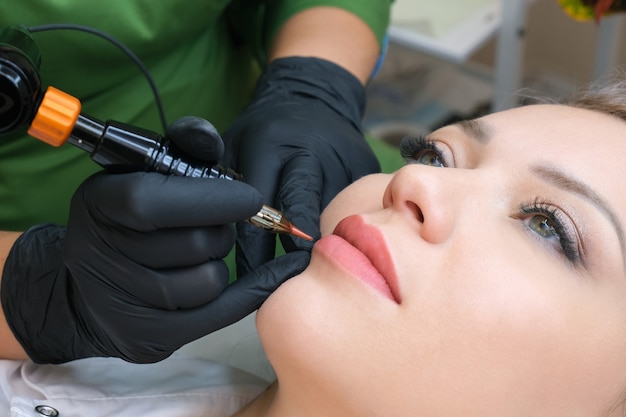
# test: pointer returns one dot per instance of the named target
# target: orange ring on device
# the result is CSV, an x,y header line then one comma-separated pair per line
x,y
55,118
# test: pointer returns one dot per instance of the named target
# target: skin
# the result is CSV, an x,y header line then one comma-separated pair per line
x,y
10,347
324,32
493,319
332,34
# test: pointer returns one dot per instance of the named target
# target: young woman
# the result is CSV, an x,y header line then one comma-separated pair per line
x,y
484,278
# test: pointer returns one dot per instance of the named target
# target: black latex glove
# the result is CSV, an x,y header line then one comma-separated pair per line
x,y
299,142
137,271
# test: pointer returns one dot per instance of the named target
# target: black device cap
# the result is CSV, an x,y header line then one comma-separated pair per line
x,y
20,84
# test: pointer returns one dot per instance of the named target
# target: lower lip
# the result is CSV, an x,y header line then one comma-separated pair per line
x,y
353,261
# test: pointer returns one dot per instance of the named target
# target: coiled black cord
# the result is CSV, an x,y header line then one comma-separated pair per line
x,y
121,46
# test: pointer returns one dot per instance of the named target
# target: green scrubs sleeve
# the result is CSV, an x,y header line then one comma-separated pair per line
x,y
267,17
373,12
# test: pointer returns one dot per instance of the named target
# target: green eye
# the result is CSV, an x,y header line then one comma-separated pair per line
x,y
551,225
429,157
419,150
542,226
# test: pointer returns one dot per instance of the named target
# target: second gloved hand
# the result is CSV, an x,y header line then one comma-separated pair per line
x,y
140,251
299,142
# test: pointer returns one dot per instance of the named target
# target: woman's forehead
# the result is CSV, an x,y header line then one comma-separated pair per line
x,y
546,128
552,120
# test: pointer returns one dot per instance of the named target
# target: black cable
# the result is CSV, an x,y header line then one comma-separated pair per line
x,y
121,46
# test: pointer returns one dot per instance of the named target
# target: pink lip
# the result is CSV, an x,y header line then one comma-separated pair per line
x,y
360,249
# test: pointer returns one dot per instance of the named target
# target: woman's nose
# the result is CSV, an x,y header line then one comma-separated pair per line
x,y
431,199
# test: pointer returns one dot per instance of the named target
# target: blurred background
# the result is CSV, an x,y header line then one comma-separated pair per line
x,y
455,59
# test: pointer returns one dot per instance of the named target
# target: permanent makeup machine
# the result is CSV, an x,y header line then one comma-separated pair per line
x,y
55,118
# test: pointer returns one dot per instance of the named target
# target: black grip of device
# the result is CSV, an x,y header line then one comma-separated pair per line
x,y
119,147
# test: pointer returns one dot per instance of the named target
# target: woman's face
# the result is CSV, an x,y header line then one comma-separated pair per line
x,y
484,278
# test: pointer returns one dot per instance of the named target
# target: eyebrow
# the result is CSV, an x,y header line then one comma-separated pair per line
x,y
475,129
567,183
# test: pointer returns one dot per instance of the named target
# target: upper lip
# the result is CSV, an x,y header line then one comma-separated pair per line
x,y
370,241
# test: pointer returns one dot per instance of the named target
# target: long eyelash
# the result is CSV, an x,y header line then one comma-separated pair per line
x,y
568,244
412,145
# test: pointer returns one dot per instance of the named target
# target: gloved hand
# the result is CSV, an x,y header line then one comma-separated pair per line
x,y
138,271
299,142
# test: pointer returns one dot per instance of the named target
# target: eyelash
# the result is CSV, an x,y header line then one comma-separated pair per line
x,y
558,222
412,148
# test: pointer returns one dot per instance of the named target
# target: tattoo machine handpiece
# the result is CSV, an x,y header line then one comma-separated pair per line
x,y
55,118
119,147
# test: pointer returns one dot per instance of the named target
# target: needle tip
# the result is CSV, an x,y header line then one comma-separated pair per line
x,y
297,232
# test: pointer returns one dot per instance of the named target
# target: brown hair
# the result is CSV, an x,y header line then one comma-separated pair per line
x,y
605,96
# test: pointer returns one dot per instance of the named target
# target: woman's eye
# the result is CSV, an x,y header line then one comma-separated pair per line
x,y
419,150
429,157
549,224
543,226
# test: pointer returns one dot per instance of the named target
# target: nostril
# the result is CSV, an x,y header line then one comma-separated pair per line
x,y
417,212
